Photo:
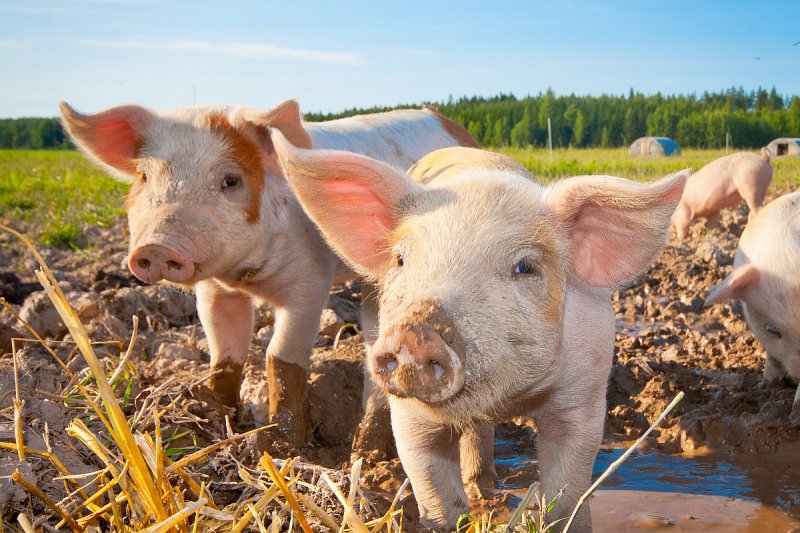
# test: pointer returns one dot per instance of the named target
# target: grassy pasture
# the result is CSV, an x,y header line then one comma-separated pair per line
x,y
617,162
57,194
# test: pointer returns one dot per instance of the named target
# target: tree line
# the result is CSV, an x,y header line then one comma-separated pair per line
x,y
746,119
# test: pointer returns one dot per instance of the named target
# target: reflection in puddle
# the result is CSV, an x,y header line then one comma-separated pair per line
x,y
765,480
773,480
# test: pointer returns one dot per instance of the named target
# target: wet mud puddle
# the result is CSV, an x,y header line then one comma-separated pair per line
x,y
654,491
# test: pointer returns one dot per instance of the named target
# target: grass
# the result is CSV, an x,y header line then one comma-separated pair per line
x,y
58,194
141,488
617,162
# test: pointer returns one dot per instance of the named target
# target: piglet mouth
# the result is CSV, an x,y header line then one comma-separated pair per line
x,y
423,368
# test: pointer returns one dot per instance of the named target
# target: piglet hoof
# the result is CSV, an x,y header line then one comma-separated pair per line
x,y
770,383
288,400
226,383
373,440
478,491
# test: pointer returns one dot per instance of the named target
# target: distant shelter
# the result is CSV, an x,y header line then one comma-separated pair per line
x,y
654,146
784,146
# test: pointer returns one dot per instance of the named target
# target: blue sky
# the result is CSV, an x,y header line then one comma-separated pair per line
x,y
341,54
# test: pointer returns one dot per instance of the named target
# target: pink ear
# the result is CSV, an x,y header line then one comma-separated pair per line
x,y
617,226
285,117
113,137
735,285
350,197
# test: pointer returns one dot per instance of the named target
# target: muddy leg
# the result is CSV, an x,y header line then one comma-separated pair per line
x,y
296,327
373,438
288,399
477,455
429,454
227,318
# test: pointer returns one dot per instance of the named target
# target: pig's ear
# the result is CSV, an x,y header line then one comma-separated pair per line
x,y
742,279
352,198
617,226
284,117
112,137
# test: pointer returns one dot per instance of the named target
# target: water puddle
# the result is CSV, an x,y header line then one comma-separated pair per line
x,y
652,491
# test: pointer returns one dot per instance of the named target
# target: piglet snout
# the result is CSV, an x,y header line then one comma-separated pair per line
x,y
416,363
153,262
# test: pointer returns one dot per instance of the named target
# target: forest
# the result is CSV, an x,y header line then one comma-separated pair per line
x,y
743,119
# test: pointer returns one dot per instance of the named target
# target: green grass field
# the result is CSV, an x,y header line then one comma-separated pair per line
x,y
59,193
617,162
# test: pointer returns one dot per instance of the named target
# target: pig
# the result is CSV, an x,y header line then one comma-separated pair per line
x,y
766,279
494,301
723,183
210,209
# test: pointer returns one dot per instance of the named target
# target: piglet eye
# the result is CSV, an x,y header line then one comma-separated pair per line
x,y
230,180
141,176
773,331
397,260
525,267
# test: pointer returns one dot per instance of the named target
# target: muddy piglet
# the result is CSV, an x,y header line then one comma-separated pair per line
x,y
723,183
494,302
209,209
766,278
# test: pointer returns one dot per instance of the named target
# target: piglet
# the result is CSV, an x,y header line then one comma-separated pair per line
x,y
723,183
210,210
494,301
766,279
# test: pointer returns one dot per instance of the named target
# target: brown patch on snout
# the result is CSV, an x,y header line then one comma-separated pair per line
x,y
246,153
454,129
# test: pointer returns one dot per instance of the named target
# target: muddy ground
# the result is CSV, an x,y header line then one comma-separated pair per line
x,y
666,342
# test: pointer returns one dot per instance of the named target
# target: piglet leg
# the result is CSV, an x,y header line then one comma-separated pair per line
x,y
373,438
227,318
567,446
288,353
477,455
430,457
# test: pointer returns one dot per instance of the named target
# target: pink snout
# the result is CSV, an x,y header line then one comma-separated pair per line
x,y
153,262
416,363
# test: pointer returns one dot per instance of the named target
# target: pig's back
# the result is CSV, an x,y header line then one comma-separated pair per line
x,y
771,239
715,185
399,138
448,162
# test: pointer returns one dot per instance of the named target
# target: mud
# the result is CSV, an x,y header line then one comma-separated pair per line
x,y
666,342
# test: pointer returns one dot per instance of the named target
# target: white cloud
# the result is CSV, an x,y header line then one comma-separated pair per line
x,y
248,50
8,43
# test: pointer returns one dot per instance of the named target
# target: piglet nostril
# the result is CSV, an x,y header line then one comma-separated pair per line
x,y
438,370
174,264
144,263
386,363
